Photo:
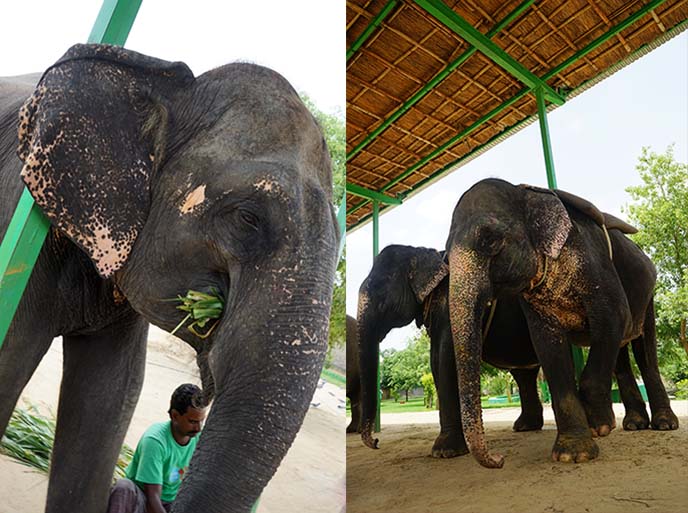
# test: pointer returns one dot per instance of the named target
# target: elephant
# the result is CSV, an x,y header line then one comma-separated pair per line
x,y
353,377
579,280
157,182
409,283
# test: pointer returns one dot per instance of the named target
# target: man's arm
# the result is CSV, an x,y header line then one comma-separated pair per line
x,y
153,501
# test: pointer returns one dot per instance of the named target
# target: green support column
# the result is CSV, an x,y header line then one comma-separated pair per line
x,y
376,247
28,228
546,143
577,352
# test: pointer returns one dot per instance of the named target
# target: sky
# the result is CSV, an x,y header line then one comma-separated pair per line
x,y
597,138
304,40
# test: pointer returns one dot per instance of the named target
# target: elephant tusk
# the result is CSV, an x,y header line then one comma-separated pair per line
x,y
609,242
493,305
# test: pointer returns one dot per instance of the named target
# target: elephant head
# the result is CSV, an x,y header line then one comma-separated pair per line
x,y
500,242
221,182
391,296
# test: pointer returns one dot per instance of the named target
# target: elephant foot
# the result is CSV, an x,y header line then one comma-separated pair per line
x,y
603,429
601,419
532,422
571,448
449,445
664,420
636,420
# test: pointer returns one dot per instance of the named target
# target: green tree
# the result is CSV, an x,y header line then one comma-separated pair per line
x,y
660,212
403,370
335,135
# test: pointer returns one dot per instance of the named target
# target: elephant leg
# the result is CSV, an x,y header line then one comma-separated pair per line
x,y
595,384
102,379
531,407
355,401
450,441
24,347
645,352
574,441
636,414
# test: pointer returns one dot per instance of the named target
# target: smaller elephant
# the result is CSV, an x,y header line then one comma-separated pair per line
x,y
410,283
353,377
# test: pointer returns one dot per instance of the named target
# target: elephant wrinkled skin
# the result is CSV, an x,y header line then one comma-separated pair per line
x,y
157,182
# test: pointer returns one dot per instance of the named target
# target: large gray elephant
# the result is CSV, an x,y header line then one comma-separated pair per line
x,y
579,281
157,182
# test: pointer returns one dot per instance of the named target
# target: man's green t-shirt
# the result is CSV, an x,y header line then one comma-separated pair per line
x,y
159,459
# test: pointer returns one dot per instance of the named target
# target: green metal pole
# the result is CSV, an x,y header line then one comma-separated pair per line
x,y
376,234
576,352
29,227
546,142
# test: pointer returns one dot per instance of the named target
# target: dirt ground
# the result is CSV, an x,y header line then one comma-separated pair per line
x,y
310,479
636,471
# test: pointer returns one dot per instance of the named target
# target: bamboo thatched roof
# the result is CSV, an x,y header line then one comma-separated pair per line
x,y
401,138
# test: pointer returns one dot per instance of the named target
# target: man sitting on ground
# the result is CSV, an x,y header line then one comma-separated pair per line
x,y
162,457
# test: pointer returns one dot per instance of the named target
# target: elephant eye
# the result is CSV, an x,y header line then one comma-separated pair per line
x,y
249,218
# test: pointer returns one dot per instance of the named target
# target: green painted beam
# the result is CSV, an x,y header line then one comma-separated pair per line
x,y
375,22
114,21
465,30
596,43
546,141
18,254
357,190
437,79
29,227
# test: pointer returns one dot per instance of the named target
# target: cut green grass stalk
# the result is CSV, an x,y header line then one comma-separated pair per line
x,y
200,308
29,439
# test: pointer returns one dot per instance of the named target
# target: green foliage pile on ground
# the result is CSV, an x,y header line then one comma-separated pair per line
x,y
29,439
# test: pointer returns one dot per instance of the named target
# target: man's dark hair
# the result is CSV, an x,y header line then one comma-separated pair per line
x,y
186,396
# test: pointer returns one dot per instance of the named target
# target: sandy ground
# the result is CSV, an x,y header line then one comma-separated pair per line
x,y
637,471
310,479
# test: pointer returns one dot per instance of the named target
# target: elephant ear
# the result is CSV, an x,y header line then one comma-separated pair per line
x,y
90,137
547,220
427,270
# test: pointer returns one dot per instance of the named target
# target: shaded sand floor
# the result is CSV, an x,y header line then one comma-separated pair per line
x,y
645,471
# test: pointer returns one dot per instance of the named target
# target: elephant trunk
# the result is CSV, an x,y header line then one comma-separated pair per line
x,y
266,357
469,291
369,362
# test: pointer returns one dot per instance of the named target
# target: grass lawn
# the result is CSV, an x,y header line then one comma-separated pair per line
x,y
415,404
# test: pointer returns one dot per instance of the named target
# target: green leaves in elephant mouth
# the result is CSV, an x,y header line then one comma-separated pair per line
x,y
201,308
